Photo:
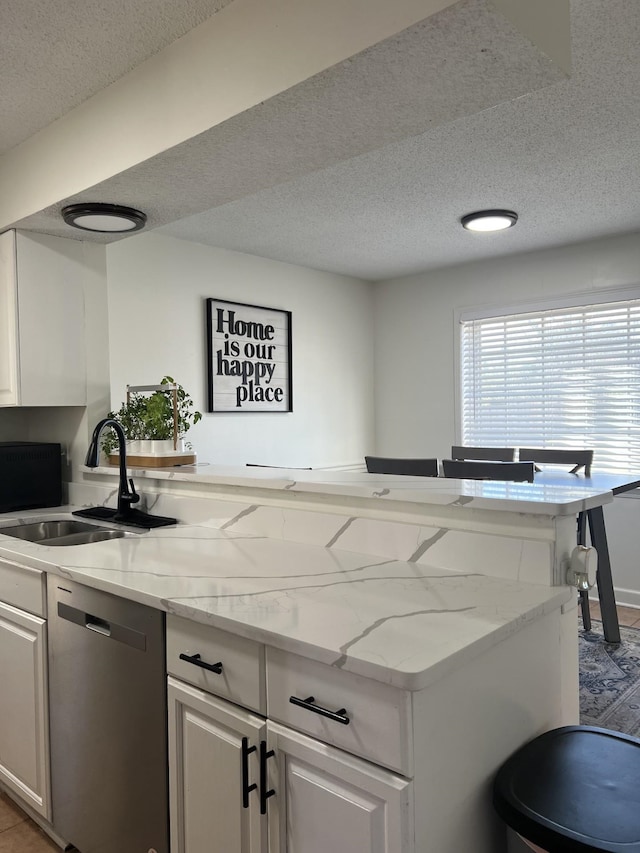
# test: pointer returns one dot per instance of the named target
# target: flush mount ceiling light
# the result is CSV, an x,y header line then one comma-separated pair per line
x,y
489,220
94,216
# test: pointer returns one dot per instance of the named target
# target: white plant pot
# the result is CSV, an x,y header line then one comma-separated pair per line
x,y
149,447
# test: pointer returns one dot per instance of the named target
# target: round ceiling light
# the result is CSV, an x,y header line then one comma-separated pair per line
x,y
94,216
489,220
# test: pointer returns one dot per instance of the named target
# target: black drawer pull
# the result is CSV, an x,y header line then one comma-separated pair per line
x,y
340,716
246,787
196,661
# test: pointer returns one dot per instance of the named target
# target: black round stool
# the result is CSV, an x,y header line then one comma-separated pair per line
x,y
573,790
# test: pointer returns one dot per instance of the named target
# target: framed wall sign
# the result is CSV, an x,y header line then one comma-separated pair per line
x,y
248,358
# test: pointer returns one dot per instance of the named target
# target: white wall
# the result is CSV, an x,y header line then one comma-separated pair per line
x,y
415,349
157,288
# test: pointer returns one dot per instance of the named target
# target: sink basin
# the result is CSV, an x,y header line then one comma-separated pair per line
x,y
64,532
36,531
97,535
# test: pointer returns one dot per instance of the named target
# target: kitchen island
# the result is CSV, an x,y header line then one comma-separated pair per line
x,y
437,621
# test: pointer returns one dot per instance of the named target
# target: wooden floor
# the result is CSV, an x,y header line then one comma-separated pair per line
x,y
629,617
19,834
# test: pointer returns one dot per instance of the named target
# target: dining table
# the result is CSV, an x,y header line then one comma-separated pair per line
x,y
602,481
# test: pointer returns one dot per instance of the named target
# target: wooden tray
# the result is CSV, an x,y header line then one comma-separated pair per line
x,y
155,460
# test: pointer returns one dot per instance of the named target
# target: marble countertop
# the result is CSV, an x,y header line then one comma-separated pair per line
x,y
400,623
537,498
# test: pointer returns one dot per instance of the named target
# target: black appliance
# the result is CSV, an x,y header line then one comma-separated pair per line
x,y
30,475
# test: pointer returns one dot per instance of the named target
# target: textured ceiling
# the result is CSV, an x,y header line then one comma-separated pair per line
x,y
565,157
456,63
366,168
54,54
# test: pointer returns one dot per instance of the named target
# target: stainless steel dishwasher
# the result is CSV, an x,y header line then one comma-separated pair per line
x,y
107,687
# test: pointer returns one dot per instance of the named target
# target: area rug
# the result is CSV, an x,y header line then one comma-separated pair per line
x,y
610,680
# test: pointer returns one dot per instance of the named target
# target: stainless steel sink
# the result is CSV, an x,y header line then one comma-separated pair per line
x,y
97,535
64,532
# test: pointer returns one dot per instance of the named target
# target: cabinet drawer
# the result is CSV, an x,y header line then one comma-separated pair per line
x,y
379,726
23,588
241,679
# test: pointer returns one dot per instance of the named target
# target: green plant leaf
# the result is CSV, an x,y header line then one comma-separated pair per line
x,y
151,416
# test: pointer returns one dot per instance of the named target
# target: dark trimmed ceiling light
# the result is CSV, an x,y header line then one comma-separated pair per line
x,y
105,218
489,220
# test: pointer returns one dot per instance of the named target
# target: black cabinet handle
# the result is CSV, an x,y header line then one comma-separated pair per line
x,y
339,716
246,787
196,661
264,793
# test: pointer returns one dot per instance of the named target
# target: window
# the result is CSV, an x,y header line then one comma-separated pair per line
x,y
560,377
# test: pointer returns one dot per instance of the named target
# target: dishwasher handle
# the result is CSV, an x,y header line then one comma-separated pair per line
x,y
111,630
100,626
196,660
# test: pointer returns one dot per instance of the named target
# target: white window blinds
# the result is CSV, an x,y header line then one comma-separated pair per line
x,y
565,378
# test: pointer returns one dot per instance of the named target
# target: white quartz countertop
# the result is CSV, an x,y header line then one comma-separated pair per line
x,y
400,623
537,498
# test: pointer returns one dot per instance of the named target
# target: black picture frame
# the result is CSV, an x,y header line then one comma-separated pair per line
x,y
249,358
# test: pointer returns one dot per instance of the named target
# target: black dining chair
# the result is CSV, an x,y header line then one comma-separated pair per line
x,y
521,472
556,456
496,454
577,458
398,465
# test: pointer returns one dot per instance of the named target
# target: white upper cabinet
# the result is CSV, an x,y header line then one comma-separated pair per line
x,y
42,328
8,321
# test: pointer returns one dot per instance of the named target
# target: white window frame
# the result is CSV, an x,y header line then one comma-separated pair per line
x,y
487,310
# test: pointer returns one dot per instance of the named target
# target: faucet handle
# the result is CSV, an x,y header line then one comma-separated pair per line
x,y
135,497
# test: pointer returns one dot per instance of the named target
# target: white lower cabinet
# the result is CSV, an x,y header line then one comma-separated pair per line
x,y
213,760
236,779
241,781
24,733
326,801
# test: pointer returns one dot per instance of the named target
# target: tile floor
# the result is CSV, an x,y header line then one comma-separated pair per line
x,y
19,834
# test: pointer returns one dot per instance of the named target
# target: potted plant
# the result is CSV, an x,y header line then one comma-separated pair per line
x,y
163,416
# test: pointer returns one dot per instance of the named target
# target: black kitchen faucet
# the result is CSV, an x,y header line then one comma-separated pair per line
x,y
127,495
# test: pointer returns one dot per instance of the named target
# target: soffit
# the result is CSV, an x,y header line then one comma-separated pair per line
x,y
55,54
366,168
